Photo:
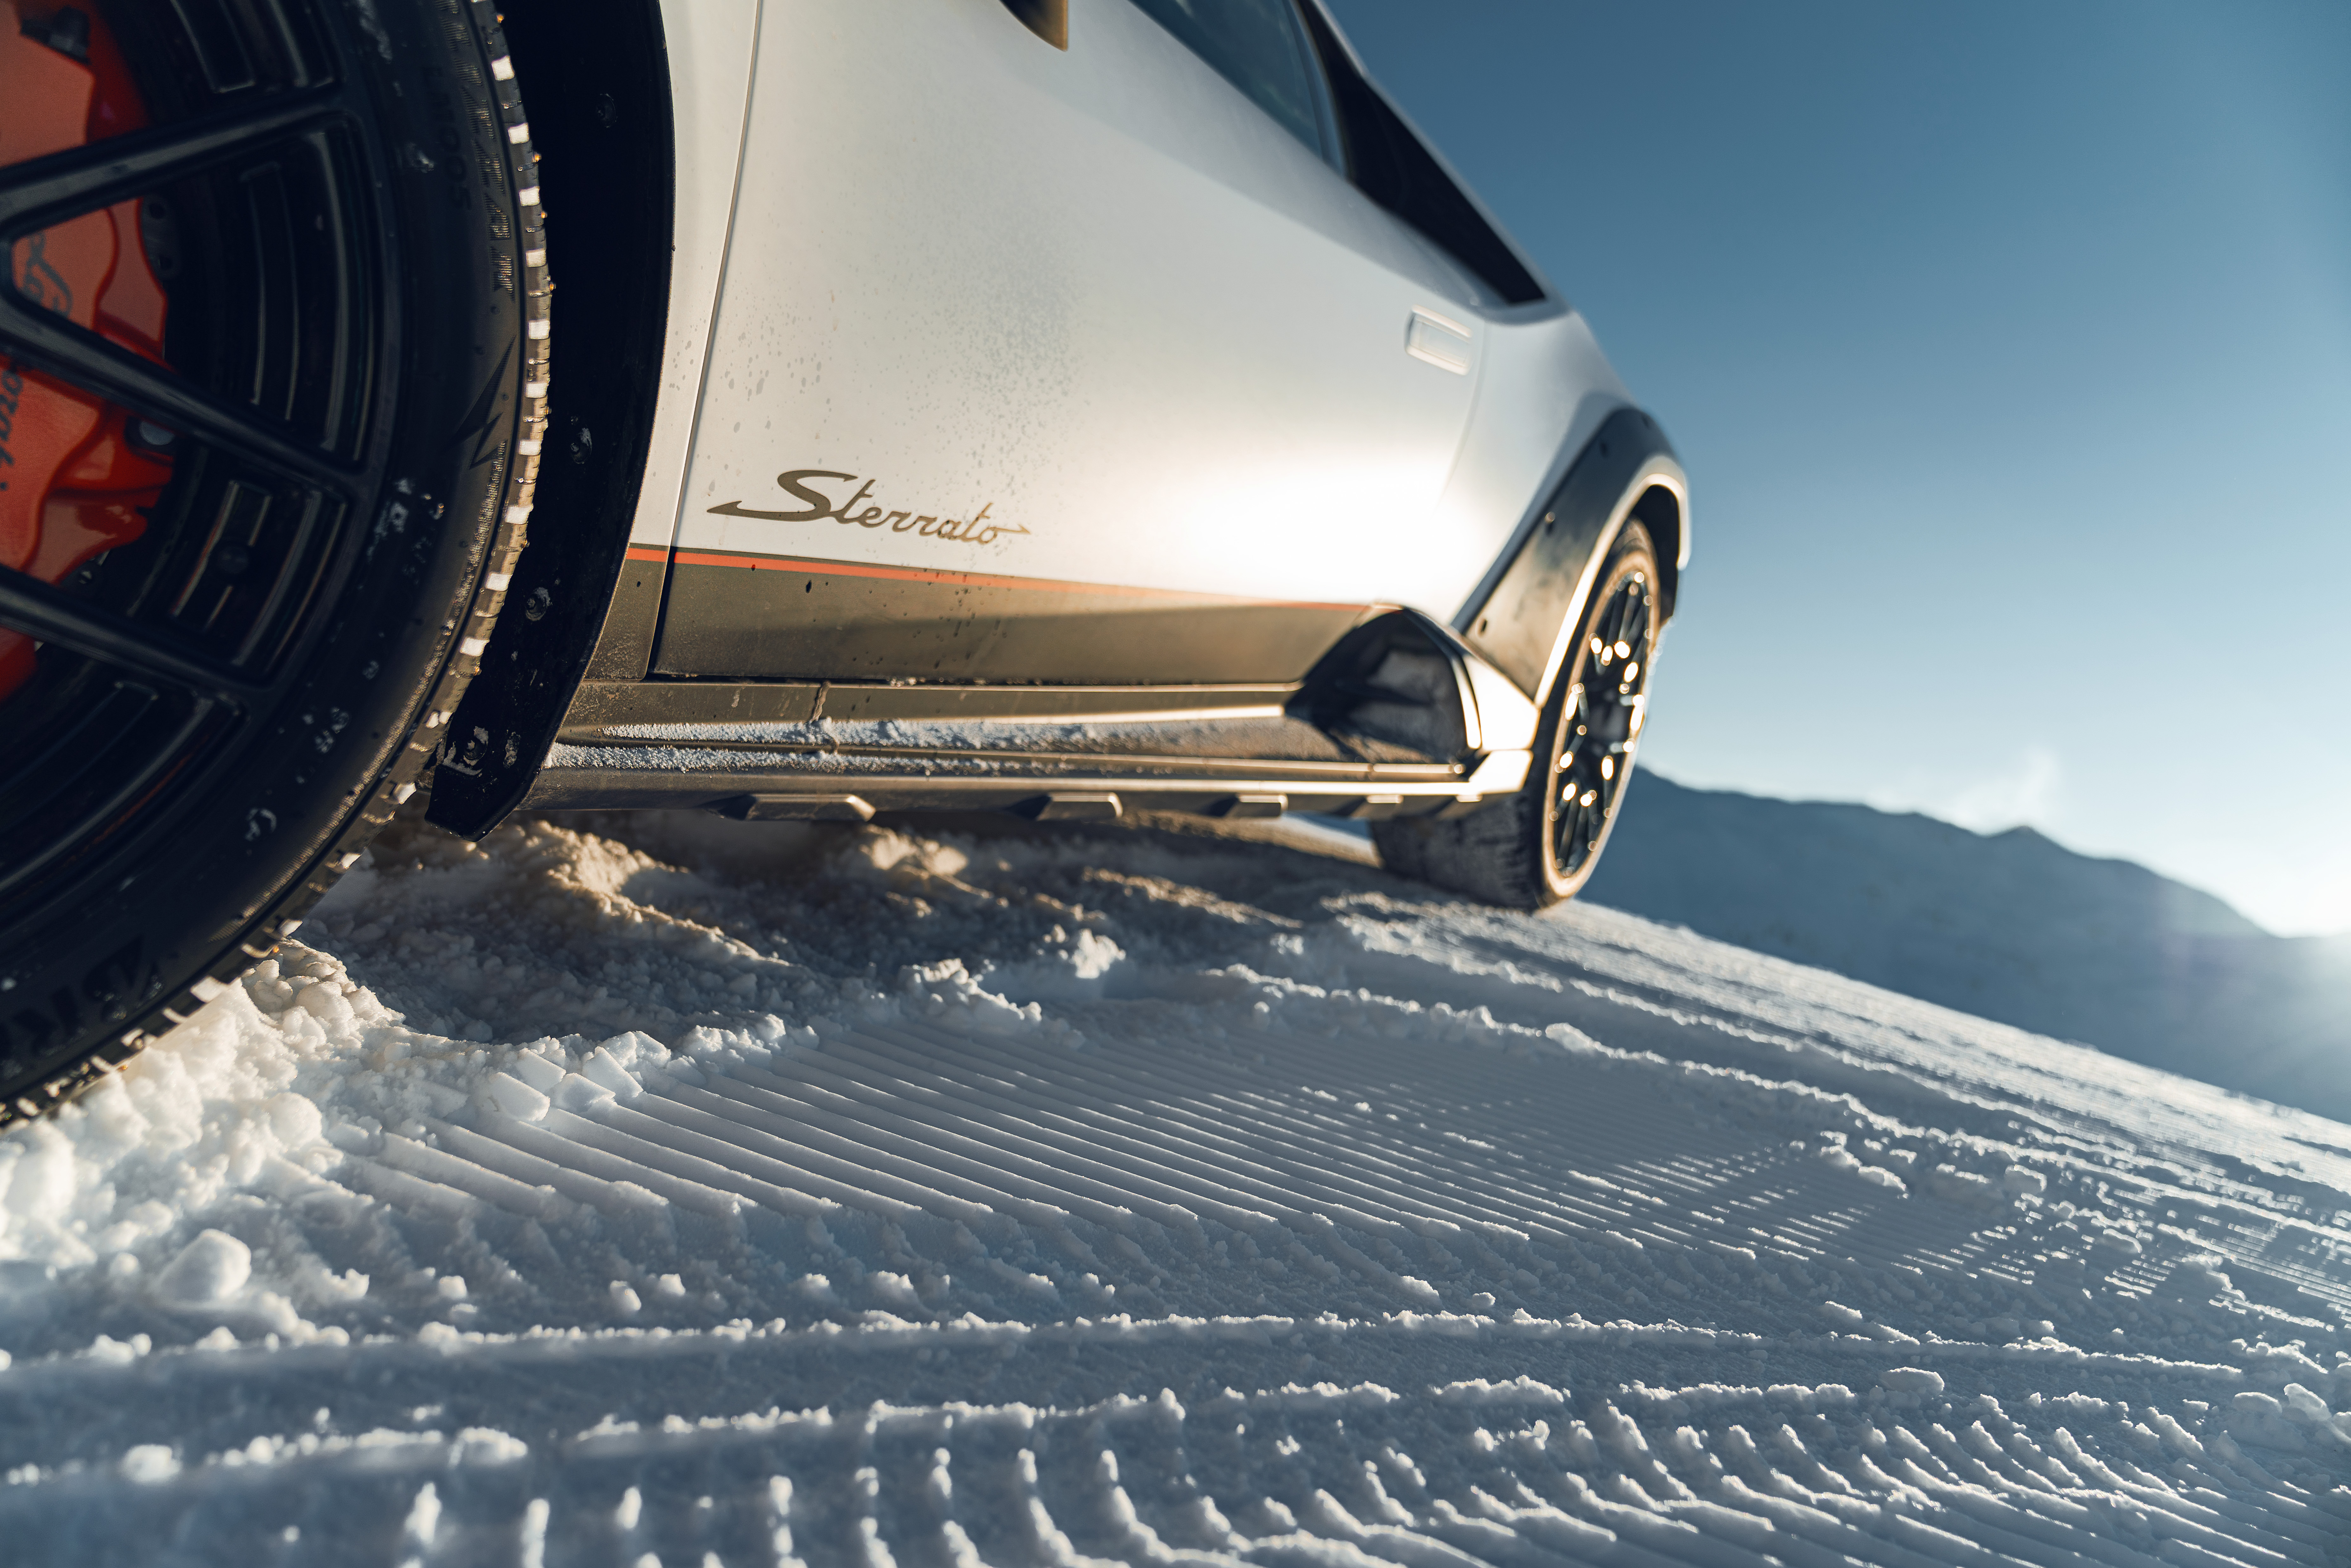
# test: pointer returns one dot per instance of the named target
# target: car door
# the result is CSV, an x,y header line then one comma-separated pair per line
x,y
1044,364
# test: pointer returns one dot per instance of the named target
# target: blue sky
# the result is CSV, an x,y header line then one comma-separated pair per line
x,y
2008,348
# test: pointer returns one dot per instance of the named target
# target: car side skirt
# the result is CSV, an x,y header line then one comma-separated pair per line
x,y
1346,740
855,784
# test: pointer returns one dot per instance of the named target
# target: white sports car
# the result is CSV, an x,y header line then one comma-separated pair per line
x,y
1065,407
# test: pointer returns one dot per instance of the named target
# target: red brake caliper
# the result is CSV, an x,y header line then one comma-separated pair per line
x,y
77,473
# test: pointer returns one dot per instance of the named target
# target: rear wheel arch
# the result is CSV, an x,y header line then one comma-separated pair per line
x,y
1627,470
1663,508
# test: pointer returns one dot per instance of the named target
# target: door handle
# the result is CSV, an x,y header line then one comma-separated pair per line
x,y
1442,343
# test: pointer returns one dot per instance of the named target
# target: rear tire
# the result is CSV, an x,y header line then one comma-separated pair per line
x,y
1539,846
354,390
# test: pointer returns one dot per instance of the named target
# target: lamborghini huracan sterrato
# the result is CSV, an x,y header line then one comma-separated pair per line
x,y
1064,407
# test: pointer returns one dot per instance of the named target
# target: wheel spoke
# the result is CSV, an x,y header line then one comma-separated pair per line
x,y
43,191
1602,704
1574,834
53,615
49,342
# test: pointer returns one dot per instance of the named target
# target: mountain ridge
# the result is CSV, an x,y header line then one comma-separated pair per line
x,y
2009,926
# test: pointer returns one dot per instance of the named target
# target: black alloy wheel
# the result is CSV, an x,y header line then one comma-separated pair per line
x,y
1601,722
273,345
1541,845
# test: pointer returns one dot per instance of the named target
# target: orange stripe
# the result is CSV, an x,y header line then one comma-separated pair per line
x,y
970,579
647,552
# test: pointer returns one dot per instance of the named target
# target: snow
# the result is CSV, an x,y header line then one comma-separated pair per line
x,y
664,1188
2006,926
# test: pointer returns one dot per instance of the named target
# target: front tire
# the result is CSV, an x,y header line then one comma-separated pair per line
x,y
335,360
1539,846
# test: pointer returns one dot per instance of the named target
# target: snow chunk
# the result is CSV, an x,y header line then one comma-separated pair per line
x,y
488,1446
608,1068
893,1288
295,1121
208,1270
424,1517
149,1463
2304,1405
1910,1380
2276,1364
1093,956
509,1095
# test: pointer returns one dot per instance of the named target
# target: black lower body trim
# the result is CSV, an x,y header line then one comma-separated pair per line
x,y
779,618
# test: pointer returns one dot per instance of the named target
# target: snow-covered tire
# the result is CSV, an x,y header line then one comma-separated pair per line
x,y
1541,845
414,462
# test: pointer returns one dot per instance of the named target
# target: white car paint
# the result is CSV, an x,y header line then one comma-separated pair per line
x,y
1099,293
712,43
1544,389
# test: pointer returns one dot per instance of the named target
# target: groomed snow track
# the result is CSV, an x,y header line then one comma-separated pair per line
x,y
703,1192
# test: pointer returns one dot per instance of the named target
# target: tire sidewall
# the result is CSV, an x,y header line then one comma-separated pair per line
x,y
1631,554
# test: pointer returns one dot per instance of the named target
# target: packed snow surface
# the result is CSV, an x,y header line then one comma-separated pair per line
x,y
665,1190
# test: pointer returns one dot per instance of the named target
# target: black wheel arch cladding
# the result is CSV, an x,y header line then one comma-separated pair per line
x,y
598,72
1516,626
